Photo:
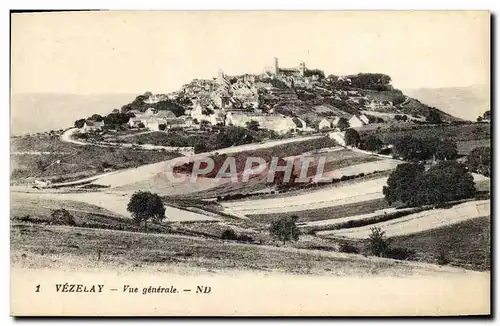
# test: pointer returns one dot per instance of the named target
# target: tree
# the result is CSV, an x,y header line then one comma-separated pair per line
x,y
234,136
378,243
62,217
229,234
162,126
253,125
200,147
79,123
433,116
168,105
207,111
402,182
352,138
379,82
479,119
443,182
373,143
285,229
314,72
96,117
145,206
411,148
446,150
116,119
343,124
487,115
479,160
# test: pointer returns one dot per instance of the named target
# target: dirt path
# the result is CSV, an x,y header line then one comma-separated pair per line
x,y
419,222
325,197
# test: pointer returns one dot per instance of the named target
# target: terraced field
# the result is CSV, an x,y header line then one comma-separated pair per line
x,y
322,198
418,222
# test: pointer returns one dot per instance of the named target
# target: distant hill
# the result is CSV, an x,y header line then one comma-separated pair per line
x,y
36,112
463,102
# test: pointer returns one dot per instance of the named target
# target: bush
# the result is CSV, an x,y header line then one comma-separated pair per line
x,y
62,217
442,259
372,143
245,238
229,234
285,229
433,116
348,248
378,243
400,253
479,160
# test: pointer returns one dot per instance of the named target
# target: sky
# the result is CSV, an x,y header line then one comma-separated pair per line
x,y
159,51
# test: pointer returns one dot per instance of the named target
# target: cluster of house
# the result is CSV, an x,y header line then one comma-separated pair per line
x,y
355,121
234,100
150,119
92,125
160,120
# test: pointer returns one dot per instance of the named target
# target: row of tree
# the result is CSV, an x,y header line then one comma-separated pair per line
x,y
479,161
485,117
412,185
411,148
112,119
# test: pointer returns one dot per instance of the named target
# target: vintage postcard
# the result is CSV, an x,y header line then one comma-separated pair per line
x,y
250,163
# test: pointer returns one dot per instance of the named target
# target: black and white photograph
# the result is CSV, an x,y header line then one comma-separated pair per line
x,y
250,163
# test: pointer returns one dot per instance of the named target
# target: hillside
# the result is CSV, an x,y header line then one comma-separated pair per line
x,y
73,247
463,102
306,94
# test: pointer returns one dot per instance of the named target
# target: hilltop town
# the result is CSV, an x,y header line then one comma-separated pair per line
x,y
284,100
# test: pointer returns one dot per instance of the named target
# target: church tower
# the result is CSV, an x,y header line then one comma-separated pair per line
x,y
276,67
302,68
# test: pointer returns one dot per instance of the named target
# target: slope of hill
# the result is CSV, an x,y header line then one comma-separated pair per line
x,y
463,102
76,248
306,96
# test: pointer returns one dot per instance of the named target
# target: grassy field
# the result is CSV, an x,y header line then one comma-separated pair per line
x,y
82,162
421,221
41,143
70,248
33,211
466,244
465,147
211,140
325,213
456,133
335,160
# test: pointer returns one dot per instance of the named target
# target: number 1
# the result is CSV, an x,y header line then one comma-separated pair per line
x,y
38,288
